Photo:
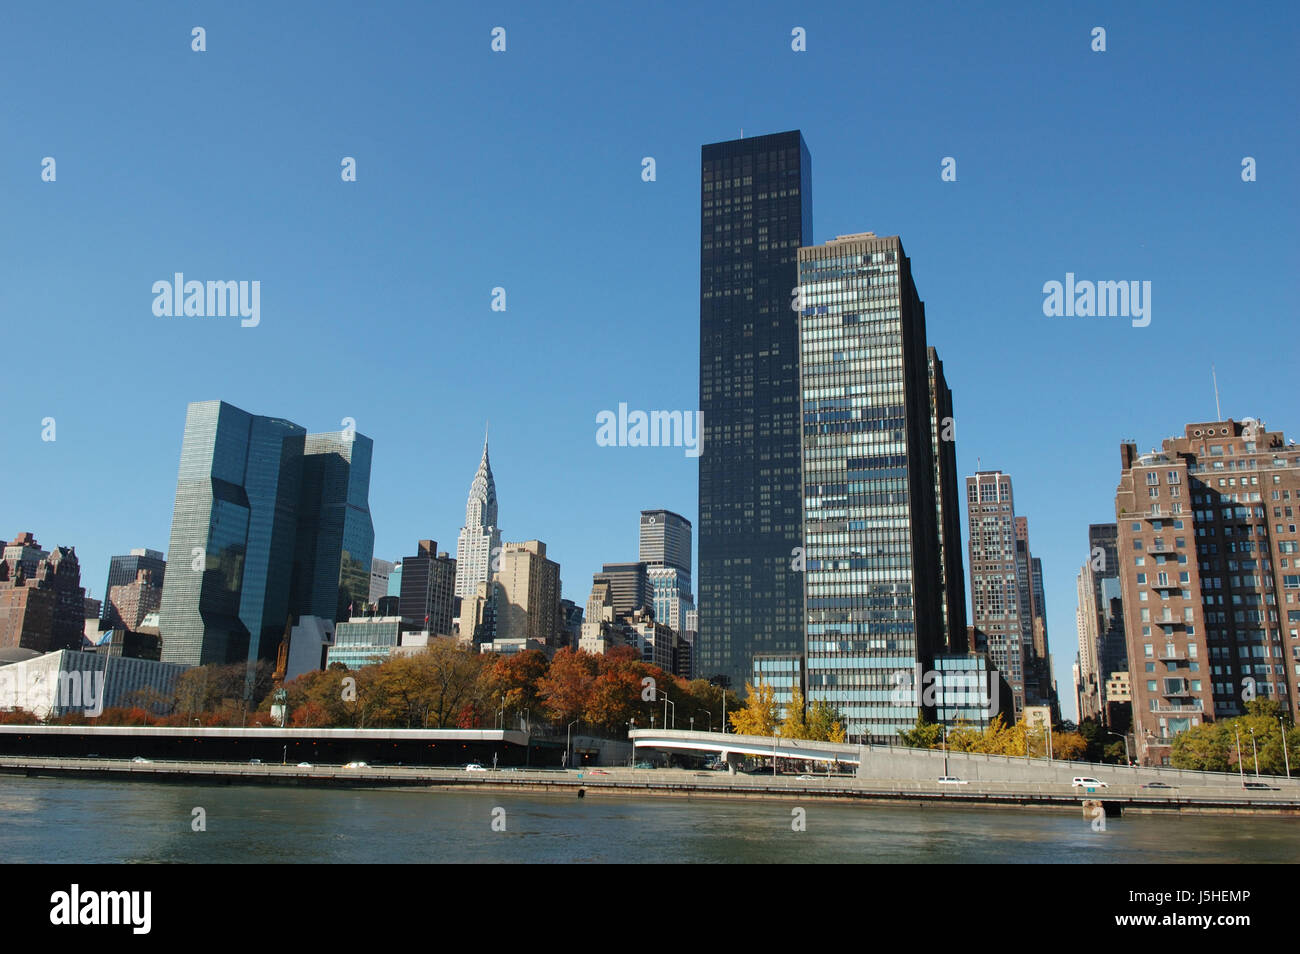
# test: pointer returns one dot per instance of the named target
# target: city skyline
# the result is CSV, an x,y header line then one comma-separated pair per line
x,y
1104,200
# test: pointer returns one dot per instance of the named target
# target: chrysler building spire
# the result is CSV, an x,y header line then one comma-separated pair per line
x,y
479,538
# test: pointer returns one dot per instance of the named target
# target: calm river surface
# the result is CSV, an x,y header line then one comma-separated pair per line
x,y
78,821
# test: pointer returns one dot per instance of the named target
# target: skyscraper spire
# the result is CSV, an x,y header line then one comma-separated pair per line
x,y
480,536
481,508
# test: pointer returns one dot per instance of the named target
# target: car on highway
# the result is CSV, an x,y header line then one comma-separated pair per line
x,y
807,778
356,765
1085,781
474,767
597,772
141,758
1155,785
952,780
1260,786
254,761
645,765
304,765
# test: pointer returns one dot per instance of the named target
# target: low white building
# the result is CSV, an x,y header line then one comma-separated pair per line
x,y
69,681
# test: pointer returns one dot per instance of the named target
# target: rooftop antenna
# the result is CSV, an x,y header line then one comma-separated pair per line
x,y
1215,378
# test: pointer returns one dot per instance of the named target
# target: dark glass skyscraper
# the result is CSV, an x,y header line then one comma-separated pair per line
x,y
756,211
240,559
947,506
335,534
226,596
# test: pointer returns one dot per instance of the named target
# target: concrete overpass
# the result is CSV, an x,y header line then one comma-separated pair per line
x,y
730,746
889,763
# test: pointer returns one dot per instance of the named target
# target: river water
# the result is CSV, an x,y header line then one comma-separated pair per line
x,y
80,821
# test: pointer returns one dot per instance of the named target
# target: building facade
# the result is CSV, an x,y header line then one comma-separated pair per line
x,y
232,539
380,572
1209,562
756,211
999,594
125,569
666,541
132,602
365,641
478,547
336,537
41,610
874,592
71,681
428,597
1099,621
629,586
943,439
528,595
269,523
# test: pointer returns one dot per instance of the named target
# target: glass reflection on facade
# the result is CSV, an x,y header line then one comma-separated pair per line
x,y
873,589
268,523
225,597
336,537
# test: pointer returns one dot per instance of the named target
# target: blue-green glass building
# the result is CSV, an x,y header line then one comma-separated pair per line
x,y
268,524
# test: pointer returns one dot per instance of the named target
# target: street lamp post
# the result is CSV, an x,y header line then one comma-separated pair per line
x,y
568,745
944,730
1127,758
1241,771
692,723
1285,754
631,726
776,734
1254,749
710,715
667,703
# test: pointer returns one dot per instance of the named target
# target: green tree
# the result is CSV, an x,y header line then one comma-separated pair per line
x,y
1207,747
923,735
825,724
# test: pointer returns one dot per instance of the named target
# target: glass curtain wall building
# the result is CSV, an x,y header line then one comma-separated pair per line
x,y
268,524
336,537
874,591
230,557
756,211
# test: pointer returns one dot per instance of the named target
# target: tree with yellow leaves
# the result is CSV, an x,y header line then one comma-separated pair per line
x,y
794,726
758,717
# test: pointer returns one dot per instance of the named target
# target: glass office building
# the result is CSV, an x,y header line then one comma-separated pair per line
x,y
266,526
226,597
122,571
756,211
336,537
666,541
365,642
874,591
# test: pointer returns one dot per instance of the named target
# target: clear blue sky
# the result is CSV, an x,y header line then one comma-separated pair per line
x,y
522,170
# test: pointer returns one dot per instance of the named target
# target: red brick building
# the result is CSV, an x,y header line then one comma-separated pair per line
x,y
1209,562
41,608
